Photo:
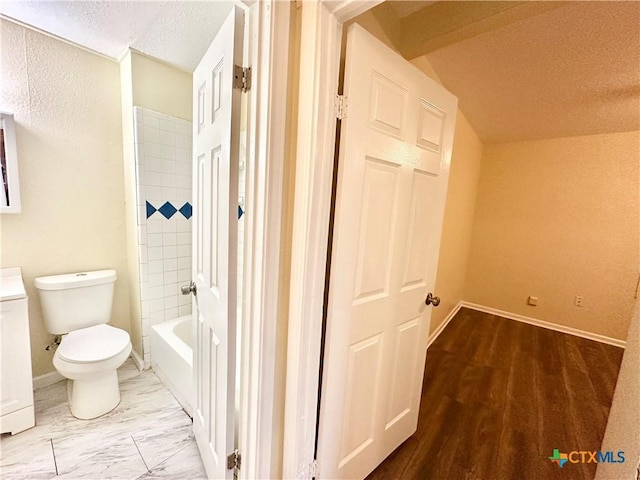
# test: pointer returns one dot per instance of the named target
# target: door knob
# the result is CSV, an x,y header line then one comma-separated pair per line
x,y
189,289
430,300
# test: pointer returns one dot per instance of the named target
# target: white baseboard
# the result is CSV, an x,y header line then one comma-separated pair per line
x,y
47,379
436,333
541,323
137,359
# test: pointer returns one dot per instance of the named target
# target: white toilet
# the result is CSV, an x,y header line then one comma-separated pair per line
x,y
78,307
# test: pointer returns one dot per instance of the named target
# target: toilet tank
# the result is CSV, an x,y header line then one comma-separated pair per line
x,y
76,300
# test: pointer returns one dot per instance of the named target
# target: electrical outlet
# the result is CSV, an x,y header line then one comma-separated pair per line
x,y
578,301
533,301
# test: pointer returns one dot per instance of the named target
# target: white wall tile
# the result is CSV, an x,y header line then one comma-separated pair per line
x,y
154,223
171,289
184,238
170,252
154,179
166,124
157,317
151,120
156,279
163,159
183,225
155,293
184,275
182,168
183,141
156,305
168,152
171,313
152,150
169,194
184,251
183,155
170,264
169,239
168,138
183,195
154,194
171,277
155,253
170,225
182,181
183,262
154,240
157,266
170,302
168,180
151,134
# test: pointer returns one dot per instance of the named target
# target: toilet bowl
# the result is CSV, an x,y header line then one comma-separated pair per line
x,y
78,307
89,359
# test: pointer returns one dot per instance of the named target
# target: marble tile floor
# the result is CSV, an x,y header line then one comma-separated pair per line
x,y
147,436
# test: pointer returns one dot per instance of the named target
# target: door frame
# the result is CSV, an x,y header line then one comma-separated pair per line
x,y
267,42
322,24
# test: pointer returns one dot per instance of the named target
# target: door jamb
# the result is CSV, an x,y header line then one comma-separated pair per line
x,y
321,40
268,50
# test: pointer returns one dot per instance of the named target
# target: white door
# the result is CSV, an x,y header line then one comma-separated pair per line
x,y
395,153
216,133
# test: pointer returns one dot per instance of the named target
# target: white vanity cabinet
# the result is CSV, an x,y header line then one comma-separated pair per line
x,y
16,392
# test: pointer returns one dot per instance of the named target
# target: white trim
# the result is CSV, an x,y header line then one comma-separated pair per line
x,y
47,379
550,326
268,57
436,333
137,359
319,65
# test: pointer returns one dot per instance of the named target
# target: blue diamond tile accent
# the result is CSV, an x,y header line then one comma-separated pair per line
x,y
167,210
150,209
240,212
186,210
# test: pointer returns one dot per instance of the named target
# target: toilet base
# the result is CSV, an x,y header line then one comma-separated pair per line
x,y
93,397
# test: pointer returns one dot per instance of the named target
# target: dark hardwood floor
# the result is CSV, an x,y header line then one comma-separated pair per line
x,y
499,396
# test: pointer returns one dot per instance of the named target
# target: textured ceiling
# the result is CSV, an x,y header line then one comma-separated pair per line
x,y
570,71
177,32
535,70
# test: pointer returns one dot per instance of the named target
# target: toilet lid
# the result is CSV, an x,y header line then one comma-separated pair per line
x,y
93,344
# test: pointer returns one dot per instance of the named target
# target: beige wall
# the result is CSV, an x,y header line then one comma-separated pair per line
x,y
555,219
66,103
160,87
458,220
623,426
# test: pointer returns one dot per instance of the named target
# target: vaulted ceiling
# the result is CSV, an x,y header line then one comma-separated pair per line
x,y
528,70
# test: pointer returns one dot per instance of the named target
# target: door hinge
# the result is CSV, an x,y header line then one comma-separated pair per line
x,y
340,105
313,469
241,78
233,460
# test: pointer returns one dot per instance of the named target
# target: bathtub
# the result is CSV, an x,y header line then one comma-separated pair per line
x,y
172,357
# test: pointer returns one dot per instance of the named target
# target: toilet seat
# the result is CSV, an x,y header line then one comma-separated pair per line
x,y
93,344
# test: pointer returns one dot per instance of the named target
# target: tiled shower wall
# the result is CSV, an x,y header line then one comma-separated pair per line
x,y
163,174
